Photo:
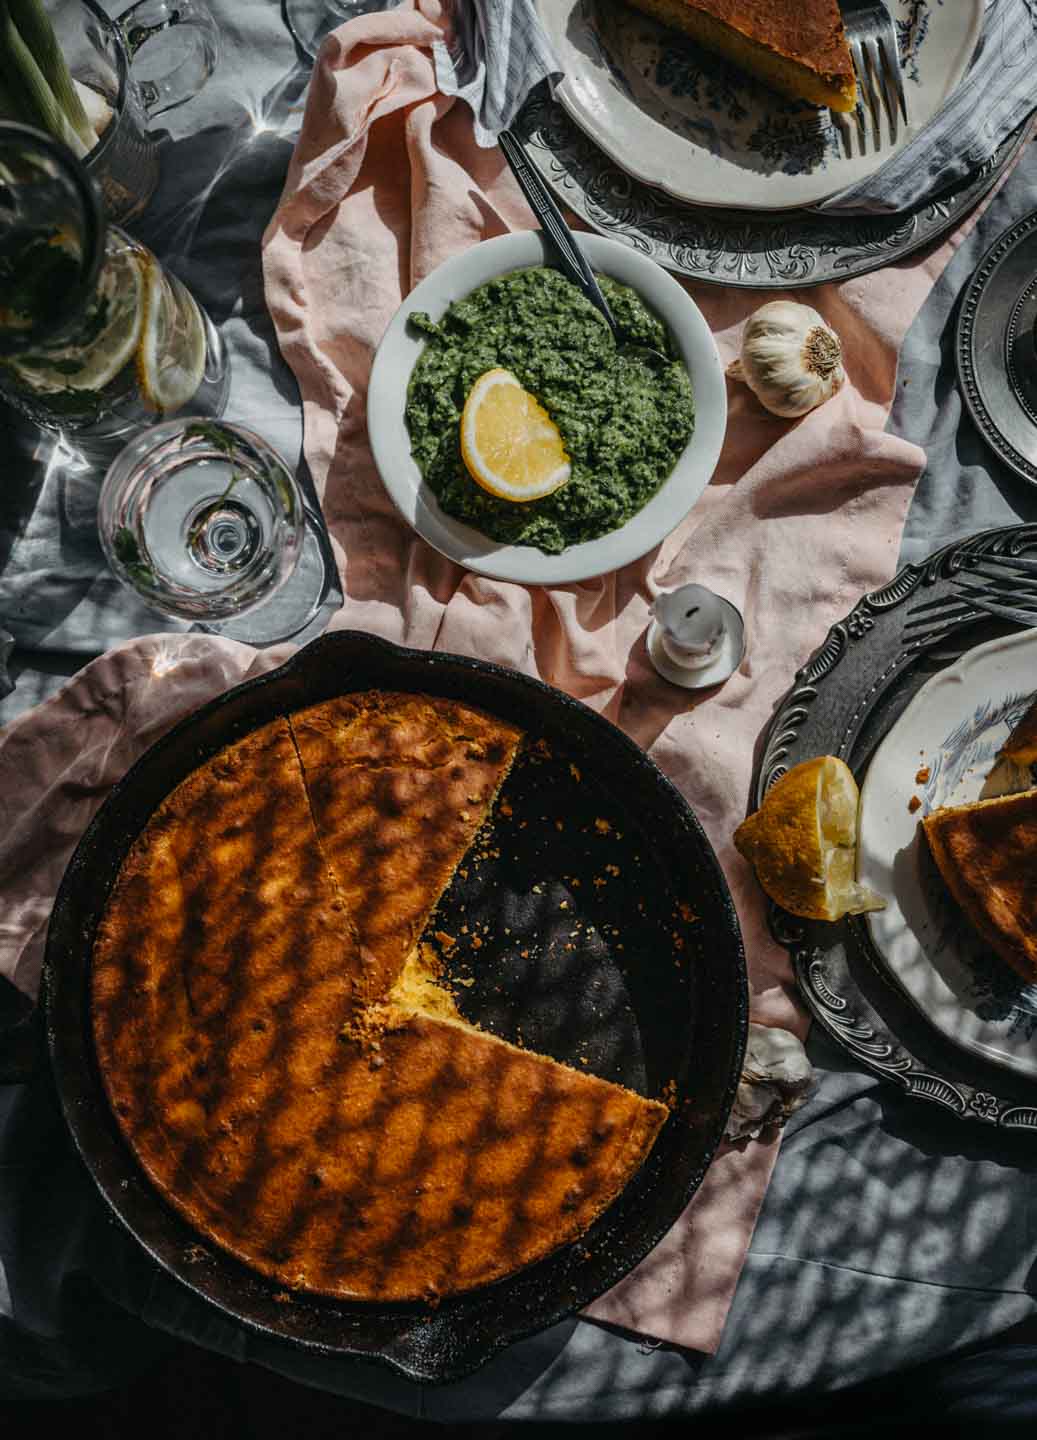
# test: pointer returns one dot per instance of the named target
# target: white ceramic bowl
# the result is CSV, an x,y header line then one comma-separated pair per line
x,y
390,441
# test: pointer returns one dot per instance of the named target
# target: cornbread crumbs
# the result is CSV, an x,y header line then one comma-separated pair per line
x,y
602,826
686,912
505,809
914,804
923,775
574,772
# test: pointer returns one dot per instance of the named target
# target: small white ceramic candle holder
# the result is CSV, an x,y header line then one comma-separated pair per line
x,y
696,638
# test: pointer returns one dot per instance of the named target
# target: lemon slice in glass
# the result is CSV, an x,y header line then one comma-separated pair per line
x,y
509,443
802,842
171,351
94,365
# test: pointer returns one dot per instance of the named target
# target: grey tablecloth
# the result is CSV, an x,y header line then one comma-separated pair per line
x,y
890,1234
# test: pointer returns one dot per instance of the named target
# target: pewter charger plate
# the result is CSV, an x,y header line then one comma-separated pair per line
x,y
997,347
844,702
750,249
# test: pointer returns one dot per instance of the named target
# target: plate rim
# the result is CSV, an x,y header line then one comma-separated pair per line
x,y
952,675
740,249
555,18
969,365
837,977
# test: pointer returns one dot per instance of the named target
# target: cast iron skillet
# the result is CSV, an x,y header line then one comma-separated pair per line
x,y
611,942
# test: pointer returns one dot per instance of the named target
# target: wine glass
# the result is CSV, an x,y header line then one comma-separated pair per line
x,y
203,519
310,20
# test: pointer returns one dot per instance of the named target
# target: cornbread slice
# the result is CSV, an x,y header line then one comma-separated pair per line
x,y
1015,765
446,1159
987,855
398,786
223,970
797,47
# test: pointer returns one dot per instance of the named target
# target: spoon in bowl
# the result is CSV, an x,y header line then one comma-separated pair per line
x,y
562,242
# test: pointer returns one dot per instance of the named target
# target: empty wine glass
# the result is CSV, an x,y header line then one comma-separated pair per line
x,y
310,20
201,518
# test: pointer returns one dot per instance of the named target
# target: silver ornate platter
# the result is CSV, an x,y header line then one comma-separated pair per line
x,y
843,702
750,249
997,347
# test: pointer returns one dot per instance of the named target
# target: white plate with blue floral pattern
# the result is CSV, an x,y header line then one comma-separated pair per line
x,y
679,118
952,729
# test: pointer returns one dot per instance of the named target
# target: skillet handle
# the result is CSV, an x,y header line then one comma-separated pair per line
x,y
21,1035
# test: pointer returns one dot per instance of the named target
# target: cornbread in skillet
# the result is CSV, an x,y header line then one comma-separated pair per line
x,y
398,785
797,47
987,855
293,1105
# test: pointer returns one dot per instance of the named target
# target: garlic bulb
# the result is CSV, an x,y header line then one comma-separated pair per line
x,y
791,360
777,1078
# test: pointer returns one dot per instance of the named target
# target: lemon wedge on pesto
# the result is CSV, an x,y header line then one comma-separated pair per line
x,y
509,443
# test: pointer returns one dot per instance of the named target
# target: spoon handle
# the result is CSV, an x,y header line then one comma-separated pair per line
x,y
561,239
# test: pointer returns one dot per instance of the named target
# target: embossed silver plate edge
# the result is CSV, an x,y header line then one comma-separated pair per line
x,y
745,249
826,985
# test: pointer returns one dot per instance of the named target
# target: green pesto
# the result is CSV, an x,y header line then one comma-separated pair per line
x,y
624,417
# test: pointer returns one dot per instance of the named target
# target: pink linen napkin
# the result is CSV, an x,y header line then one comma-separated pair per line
x,y
386,182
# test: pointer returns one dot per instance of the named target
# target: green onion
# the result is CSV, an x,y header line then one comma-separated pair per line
x,y
8,109
32,96
35,28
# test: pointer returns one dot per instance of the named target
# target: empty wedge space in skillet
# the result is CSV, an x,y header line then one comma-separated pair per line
x,y
305,1097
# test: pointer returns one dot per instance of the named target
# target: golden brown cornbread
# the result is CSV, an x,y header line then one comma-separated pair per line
x,y
987,855
290,1106
1021,745
398,786
797,47
1015,765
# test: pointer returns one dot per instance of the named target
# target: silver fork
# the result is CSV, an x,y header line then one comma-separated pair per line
x,y
872,39
1008,591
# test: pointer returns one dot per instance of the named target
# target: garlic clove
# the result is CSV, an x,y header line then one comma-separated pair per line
x,y
777,1078
790,358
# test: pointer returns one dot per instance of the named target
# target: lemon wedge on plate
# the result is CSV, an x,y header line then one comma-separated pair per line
x,y
802,842
509,443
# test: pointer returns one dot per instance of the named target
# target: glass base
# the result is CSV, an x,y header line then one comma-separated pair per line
x,y
301,608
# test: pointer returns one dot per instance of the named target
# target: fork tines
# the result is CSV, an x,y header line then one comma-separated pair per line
x,y
872,39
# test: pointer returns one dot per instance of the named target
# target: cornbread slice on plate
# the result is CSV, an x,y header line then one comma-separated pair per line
x,y
1015,766
987,855
797,47
342,1134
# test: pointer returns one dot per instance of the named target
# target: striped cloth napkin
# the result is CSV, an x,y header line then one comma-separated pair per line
x,y
498,52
